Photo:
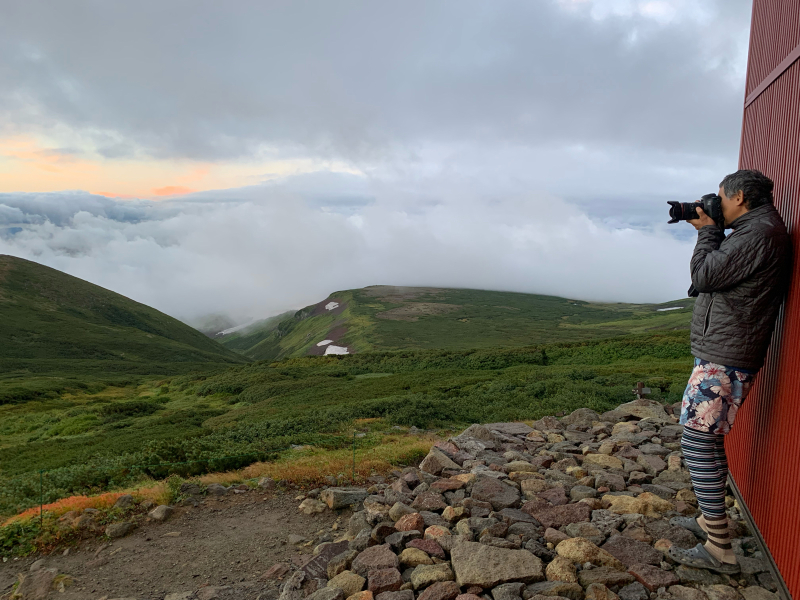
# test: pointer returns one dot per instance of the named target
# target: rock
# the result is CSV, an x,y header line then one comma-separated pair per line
x,y
454,513
447,485
602,460
432,518
586,531
376,557
411,522
215,489
516,466
441,590
381,531
646,504
161,513
559,589
437,461
606,521
686,593
582,417
554,536
646,409
659,490
634,591
425,575
267,483
327,593
277,571
652,464
317,567
124,501
349,582
292,589
435,531
605,575
652,577
616,483
558,516
720,592
630,552
118,530
36,585
561,569
580,550
340,563
757,593
495,492
683,538
597,591
694,576
429,547
400,510
547,423
429,501
365,595
384,580
488,567
413,557
401,595
311,506
510,428
341,497
508,591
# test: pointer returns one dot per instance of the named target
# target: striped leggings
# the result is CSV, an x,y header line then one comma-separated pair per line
x,y
704,454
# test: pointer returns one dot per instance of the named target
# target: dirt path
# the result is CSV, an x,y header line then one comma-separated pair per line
x,y
230,541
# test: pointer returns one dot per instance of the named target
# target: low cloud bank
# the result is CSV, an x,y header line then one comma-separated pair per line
x,y
267,249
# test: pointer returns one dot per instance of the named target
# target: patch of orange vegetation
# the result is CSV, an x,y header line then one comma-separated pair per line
x,y
76,503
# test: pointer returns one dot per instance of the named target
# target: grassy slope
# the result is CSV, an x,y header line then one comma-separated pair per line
x,y
477,319
55,328
88,441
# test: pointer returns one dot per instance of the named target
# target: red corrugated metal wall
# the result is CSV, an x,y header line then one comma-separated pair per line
x,y
764,446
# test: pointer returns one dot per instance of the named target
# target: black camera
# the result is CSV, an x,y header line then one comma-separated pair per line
x,y
687,211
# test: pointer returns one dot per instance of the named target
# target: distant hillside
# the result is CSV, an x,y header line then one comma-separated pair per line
x,y
51,321
404,318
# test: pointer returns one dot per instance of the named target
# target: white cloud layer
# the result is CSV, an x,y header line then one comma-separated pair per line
x,y
278,250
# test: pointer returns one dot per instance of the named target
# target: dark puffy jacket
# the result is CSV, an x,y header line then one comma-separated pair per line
x,y
741,280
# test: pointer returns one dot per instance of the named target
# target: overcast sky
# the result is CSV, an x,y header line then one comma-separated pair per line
x,y
251,157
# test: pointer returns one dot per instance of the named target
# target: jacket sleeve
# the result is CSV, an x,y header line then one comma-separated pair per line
x,y
716,268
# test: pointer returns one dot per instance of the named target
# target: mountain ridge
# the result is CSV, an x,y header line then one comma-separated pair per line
x,y
381,318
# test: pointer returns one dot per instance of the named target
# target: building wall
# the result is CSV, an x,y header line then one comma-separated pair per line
x,y
764,446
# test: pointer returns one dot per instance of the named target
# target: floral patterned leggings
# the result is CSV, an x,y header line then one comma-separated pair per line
x,y
712,398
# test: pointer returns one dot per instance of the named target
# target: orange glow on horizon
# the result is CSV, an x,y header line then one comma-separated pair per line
x,y
171,190
28,164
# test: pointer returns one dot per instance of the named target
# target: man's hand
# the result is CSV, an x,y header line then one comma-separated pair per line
x,y
702,220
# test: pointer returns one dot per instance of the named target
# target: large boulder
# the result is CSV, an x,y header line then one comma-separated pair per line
x,y
488,566
583,417
646,409
500,495
376,557
437,461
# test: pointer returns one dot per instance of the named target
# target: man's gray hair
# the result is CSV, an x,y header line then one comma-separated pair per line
x,y
754,185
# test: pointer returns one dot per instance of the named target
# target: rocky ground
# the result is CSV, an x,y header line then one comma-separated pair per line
x,y
575,508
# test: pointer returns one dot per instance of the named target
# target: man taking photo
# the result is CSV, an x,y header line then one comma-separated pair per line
x,y
740,281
